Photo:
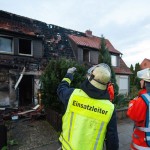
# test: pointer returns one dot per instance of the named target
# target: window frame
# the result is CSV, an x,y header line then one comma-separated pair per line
x,y
23,54
86,55
12,44
115,59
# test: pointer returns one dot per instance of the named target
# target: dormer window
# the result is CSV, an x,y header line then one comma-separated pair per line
x,y
6,44
25,47
114,60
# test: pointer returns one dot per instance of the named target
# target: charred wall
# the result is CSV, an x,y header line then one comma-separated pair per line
x,y
55,38
4,86
48,41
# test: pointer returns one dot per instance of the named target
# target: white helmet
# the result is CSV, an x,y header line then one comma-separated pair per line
x,y
99,75
144,74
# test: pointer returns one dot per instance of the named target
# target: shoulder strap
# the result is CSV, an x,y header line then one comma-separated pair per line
x,y
146,98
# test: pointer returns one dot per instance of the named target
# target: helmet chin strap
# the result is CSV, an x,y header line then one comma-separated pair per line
x,y
92,78
100,82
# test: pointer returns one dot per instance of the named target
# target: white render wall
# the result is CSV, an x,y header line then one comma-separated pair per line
x,y
123,83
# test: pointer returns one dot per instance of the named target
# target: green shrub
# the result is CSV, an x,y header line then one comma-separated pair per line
x,y
121,101
53,75
134,91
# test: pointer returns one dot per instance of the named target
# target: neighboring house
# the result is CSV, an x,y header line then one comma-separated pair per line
x,y
86,49
145,63
28,43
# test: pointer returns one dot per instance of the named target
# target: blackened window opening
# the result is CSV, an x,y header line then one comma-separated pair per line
x,y
25,46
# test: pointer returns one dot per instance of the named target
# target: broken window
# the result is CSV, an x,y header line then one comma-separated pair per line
x,y
25,47
5,44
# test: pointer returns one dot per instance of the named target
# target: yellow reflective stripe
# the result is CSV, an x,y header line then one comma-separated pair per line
x,y
73,125
71,119
67,80
98,136
63,148
65,144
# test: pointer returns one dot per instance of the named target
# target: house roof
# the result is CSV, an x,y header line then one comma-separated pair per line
x,y
9,26
26,26
17,24
92,42
147,60
145,63
122,69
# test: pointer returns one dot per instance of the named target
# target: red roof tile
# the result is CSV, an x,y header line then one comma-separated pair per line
x,y
145,63
92,42
16,27
123,69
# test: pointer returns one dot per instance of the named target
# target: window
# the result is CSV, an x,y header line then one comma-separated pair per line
x,y
123,84
113,60
5,44
86,56
25,47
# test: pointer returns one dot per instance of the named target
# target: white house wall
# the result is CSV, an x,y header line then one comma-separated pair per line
x,y
123,83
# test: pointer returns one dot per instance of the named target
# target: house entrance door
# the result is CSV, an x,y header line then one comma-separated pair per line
x,y
26,93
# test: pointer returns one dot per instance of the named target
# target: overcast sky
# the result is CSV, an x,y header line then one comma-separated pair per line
x,y
126,23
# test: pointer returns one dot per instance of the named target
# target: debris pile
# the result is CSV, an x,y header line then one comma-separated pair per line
x,y
8,113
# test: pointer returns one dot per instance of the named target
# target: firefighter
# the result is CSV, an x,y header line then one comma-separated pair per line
x,y
90,117
139,112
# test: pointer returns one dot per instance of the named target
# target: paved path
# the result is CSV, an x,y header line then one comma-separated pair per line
x,y
125,129
32,135
39,135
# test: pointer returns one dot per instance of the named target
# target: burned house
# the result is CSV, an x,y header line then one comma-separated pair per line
x,y
26,46
21,47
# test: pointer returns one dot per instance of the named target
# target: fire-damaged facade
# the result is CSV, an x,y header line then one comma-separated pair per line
x,y
20,48
26,45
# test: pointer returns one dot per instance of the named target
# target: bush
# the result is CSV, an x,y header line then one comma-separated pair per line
x,y
134,91
121,101
53,75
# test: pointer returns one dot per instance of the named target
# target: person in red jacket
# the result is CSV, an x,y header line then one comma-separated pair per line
x,y
110,89
139,112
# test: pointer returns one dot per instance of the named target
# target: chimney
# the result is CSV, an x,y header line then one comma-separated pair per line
x,y
88,33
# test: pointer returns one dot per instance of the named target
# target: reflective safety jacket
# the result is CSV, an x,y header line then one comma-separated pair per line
x,y
85,122
139,111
